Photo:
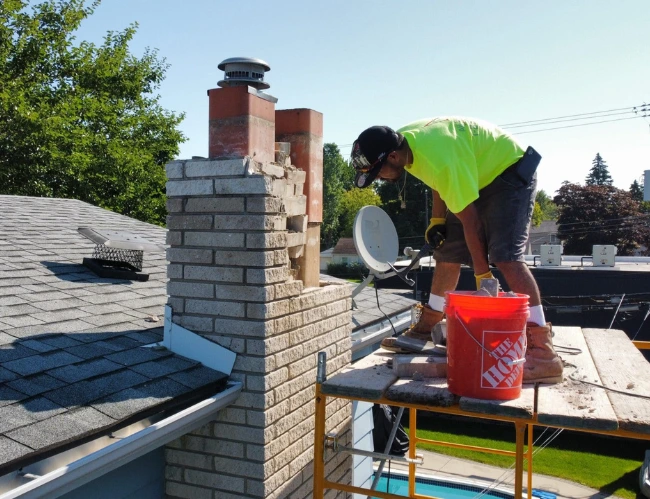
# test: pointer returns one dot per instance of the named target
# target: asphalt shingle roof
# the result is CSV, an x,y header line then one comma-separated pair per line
x,y
73,361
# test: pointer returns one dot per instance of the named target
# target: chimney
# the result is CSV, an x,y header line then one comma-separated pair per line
x,y
239,227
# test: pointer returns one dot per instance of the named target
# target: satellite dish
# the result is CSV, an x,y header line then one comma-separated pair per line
x,y
375,239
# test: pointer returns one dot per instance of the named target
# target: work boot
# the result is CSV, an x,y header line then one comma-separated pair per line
x,y
421,330
542,363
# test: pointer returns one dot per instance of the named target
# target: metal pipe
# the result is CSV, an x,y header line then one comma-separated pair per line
x,y
520,430
487,450
413,421
331,442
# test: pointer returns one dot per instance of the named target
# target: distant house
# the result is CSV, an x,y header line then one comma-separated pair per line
x,y
345,251
325,259
546,233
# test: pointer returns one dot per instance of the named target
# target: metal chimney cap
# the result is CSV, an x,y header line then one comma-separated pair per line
x,y
240,71
244,60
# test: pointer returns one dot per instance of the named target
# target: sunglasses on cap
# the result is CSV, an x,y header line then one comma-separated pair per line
x,y
359,161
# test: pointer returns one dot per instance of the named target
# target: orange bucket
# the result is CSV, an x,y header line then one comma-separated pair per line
x,y
486,344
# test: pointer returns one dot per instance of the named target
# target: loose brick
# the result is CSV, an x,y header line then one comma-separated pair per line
x,y
174,169
216,274
296,239
297,223
295,205
263,204
185,255
215,205
216,168
255,184
189,188
215,308
215,239
188,222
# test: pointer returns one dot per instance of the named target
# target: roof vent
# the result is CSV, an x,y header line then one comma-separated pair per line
x,y
244,71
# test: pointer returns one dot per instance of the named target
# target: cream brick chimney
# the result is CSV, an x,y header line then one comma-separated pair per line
x,y
234,220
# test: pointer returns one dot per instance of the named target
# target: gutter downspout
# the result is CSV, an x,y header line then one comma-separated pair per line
x,y
86,469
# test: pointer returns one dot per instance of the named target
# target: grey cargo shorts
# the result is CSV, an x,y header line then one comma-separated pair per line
x,y
505,208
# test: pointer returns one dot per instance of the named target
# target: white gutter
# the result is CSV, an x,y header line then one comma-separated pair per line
x,y
374,334
92,466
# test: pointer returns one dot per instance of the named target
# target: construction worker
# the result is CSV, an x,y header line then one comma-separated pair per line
x,y
483,185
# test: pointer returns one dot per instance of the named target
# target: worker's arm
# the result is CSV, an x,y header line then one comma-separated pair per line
x,y
475,238
439,206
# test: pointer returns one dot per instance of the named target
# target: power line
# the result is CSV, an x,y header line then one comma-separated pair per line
x,y
629,111
568,116
642,108
583,124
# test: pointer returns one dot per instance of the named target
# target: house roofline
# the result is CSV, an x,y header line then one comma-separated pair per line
x,y
74,475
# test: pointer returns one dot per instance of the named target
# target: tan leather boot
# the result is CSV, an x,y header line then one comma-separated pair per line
x,y
542,363
421,330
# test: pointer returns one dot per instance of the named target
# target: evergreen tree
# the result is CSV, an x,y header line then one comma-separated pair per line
x,y
599,173
636,191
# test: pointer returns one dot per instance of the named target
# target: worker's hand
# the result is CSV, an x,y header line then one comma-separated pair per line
x,y
487,275
436,232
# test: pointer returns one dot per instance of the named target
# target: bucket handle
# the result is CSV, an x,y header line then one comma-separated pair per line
x,y
508,361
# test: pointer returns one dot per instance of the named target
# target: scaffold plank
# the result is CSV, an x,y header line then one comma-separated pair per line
x,y
573,403
622,368
367,378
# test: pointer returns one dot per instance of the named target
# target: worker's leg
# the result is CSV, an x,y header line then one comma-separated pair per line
x,y
520,280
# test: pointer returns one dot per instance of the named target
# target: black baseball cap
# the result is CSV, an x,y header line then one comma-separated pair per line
x,y
370,150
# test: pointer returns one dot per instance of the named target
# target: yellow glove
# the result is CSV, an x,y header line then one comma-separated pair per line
x,y
436,232
487,275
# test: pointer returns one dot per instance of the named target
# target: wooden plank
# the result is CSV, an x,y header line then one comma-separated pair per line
x,y
572,403
367,378
430,391
622,367
522,407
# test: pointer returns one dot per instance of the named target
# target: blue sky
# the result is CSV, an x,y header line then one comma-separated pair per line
x,y
364,63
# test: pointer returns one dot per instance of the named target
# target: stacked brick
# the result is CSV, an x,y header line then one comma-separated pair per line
x,y
234,226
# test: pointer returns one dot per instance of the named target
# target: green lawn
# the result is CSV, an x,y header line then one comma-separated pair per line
x,y
610,465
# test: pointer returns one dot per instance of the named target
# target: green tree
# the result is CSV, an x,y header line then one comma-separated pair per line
x,y
636,191
334,171
351,202
599,173
79,120
538,216
546,205
599,214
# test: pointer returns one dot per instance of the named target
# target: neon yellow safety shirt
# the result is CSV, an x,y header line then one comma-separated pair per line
x,y
459,156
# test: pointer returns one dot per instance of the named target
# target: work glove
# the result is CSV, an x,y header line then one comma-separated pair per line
x,y
436,232
487,275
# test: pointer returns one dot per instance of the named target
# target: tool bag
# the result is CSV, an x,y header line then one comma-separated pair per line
x,y
384,419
